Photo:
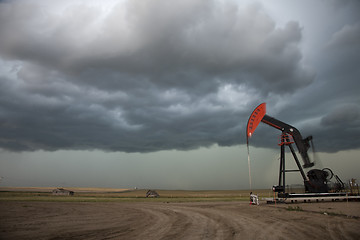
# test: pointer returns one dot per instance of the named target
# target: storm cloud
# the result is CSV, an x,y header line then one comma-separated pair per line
x,y
144,76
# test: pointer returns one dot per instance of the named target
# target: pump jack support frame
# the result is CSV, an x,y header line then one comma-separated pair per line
x,y
281,188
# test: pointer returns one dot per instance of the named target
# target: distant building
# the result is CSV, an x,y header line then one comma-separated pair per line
x,y
152,193
62,191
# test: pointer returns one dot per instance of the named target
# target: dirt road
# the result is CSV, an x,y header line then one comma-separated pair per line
x,y
215,220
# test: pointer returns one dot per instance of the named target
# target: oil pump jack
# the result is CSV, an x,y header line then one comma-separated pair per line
x,y
316,181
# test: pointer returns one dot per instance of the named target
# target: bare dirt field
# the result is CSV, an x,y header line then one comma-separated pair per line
x,y
170,220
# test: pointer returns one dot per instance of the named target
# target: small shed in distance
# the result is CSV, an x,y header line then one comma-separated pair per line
x,y
152,193
62,191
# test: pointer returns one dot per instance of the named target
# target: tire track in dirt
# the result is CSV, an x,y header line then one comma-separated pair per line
x,y
223,221
177,222
216,220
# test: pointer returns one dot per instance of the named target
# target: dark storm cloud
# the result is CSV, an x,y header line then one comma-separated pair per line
x,y
160,42
348,116
329,108
143,75
339,126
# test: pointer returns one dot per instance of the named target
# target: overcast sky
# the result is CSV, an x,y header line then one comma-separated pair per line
x,y
157,93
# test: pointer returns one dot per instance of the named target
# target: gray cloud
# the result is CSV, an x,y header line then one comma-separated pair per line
x,y
345,115
147,75
159,41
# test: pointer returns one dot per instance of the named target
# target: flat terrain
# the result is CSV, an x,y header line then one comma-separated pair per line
x,y
178,220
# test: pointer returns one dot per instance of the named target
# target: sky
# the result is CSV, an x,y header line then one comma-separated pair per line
x,y
157,93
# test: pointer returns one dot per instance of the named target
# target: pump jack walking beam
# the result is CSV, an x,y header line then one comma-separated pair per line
x,y
259,115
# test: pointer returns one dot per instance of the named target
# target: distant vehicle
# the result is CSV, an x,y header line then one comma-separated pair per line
x,y
62,191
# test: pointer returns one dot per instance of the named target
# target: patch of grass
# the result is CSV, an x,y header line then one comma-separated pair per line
x,y
297,209
333,214
114,197
120,199
133,195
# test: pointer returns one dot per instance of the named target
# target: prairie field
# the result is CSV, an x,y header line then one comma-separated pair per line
x,y
132,195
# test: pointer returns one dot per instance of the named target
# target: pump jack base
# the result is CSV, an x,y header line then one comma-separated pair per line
x,y
313,197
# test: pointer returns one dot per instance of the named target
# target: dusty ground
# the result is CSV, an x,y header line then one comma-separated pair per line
x,y
214,220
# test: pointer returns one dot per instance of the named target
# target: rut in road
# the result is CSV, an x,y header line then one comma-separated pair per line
x,y
215,220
